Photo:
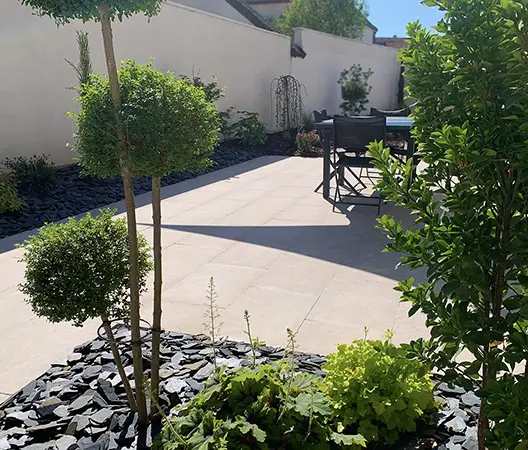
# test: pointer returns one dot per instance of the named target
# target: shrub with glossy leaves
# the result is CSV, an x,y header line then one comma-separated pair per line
x,y
376,391
169,124
64,11
80,269
506,406
256,409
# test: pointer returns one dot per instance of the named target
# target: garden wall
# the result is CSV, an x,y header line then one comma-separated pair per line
x,y
327,56
34,77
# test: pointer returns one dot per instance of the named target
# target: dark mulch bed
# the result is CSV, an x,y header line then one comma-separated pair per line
x,y
74,193
80,404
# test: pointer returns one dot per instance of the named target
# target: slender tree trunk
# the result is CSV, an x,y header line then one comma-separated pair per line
x,y
119,363
106,28
156,316
489,372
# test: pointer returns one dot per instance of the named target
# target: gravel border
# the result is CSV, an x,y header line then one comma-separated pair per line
x,y
80,404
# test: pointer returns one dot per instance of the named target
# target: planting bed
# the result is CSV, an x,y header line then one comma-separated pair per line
x,y
79,403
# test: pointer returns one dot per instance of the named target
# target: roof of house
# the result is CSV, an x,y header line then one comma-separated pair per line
x,y
250,14
252,2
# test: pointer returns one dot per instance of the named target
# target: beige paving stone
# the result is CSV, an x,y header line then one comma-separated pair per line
x,y
322,337
11,270
3,397
303,213
300,274
357,302
186,317
230,282
14,311
272,312
249,255
27,351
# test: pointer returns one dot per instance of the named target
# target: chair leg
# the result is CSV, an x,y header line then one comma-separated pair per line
x,y
357,178
337,191
322,182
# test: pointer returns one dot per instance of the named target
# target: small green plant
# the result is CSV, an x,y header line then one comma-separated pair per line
x,y
9,199
354,89
83,68
376,391
308,143
249,129
308,122
211,317
256,409
36,173
506,408
212,91
254,342
79,270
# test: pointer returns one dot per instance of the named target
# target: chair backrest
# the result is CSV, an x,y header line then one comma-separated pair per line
x,y
355,133
396,113
319,116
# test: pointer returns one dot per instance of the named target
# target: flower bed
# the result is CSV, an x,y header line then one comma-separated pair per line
x,y
79,403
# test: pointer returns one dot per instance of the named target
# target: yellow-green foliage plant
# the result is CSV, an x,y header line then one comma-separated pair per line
x,y
376,391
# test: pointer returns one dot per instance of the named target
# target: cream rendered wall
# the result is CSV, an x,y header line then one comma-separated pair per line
x,y
34,76
218,7
328,55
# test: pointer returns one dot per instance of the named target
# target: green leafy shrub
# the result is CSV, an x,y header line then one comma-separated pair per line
x,y
256,409
80,269
506,406
308,143
249,129
354,89
468,202
37,172
9,199
169,124
308,122
376,391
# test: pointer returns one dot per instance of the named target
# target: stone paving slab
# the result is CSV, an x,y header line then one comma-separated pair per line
x,y
274,247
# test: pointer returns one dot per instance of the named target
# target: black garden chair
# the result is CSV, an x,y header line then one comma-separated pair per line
x,y
354,134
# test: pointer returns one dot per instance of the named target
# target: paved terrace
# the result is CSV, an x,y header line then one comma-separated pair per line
x,y
273,246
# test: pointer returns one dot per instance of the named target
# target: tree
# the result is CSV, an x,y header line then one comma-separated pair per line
x,y
345,18
170,126
469,201
80,270
104,11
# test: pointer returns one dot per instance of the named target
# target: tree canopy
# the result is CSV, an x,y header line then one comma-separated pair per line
x,y
169,124
63,11
345,18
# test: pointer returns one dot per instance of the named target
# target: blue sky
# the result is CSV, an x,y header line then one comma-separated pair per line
x,y
391,16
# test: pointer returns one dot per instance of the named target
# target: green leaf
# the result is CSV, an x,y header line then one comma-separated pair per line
x,y
348,439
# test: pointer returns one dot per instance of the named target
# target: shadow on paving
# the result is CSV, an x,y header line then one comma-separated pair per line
x,y
358,245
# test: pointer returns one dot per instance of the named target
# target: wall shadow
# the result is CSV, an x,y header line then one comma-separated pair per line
x,y
359,244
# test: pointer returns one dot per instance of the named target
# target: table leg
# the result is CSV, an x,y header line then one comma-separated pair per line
x,y
326,165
